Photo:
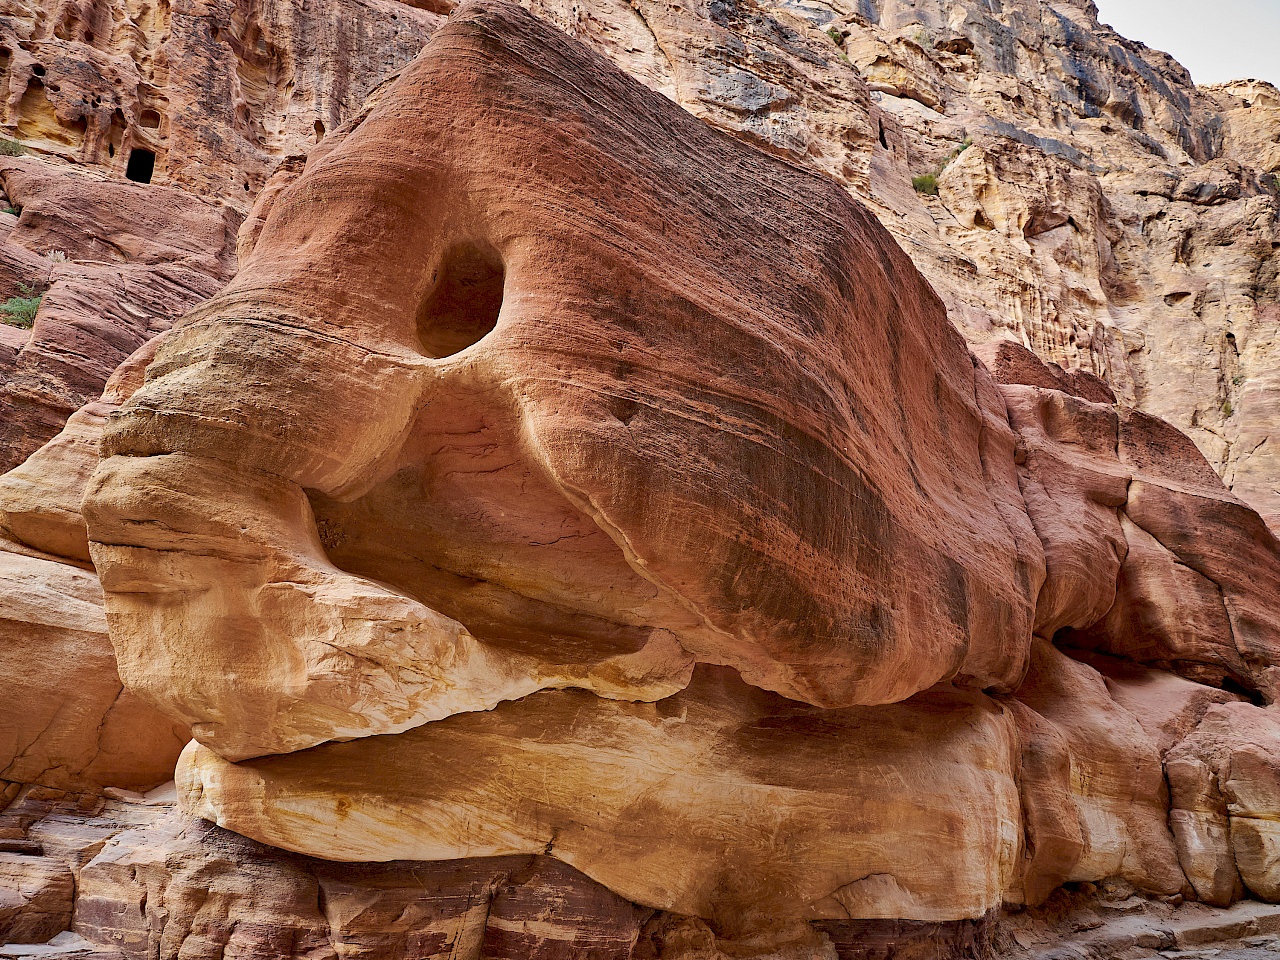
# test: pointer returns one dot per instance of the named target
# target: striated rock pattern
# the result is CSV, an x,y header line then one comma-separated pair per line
x,y
210,96
68,721
879,634
114,264
1092,203
574,533
520,467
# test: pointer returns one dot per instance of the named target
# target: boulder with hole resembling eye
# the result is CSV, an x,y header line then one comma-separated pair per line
x,y
538,401
535,381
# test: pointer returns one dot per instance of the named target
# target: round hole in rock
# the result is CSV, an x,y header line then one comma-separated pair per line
x,y
38,70
464,302
149,119
319,128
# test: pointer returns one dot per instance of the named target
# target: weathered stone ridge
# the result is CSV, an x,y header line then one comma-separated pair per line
x,y
644,570
1092,202
218,94
592,532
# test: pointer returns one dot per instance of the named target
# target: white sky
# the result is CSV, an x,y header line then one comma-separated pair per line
x,y
1217,40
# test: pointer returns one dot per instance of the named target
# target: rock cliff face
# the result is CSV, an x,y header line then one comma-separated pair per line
x,y
202,103
1092,203
591,529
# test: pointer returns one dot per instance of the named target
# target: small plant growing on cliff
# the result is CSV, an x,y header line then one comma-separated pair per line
x,y
926,183
20,311
965,145
837,37
11,148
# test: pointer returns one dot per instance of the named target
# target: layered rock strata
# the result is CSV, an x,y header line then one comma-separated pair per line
x,y
556,510
68,722
508,502
1091,201
508,392
213,95
114,264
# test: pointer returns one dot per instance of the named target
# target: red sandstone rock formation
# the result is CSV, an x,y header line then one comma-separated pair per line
x,y
584,443
68,722
116,263
564,403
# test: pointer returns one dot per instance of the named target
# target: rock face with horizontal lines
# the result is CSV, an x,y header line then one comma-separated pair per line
x,y
199,102
486,544
576,533
114,264
524,468
207,97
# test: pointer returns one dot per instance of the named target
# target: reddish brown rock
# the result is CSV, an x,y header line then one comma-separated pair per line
x,y
1166,614
178,887
1176,497
116,263
36,897
1074,486
1053,834
1115,780
40,499
721,802
494,524
1167,706
214,94
1149,556
67,721
1225,781
519,445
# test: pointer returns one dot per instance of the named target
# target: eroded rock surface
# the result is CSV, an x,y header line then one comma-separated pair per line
x,y
114,264
602,519
68,721
504,515
1092,202
214,94
548,477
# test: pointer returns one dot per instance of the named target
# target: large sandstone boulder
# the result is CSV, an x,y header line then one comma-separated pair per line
x,y
722,801
510,417
621,497
542,410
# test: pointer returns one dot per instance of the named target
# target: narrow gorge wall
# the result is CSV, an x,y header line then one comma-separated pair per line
x,y
588,525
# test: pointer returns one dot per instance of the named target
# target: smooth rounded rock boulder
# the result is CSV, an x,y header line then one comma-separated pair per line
x,y
523,386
